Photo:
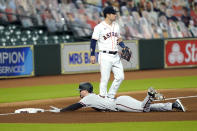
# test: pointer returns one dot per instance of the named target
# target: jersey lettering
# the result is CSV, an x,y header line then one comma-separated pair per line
x,y
108,35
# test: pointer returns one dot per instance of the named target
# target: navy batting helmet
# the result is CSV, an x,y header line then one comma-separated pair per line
x,y
86,86
109,10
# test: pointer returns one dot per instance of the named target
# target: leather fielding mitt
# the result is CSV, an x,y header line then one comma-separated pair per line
x,y
126,53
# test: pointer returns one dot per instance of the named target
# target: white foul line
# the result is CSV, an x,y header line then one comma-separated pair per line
x,y
182,97
7,114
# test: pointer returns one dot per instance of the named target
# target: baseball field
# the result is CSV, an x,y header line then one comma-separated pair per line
x,y
60,91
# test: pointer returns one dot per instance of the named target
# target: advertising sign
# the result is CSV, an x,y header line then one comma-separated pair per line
x,y
16,61
75,58
180,53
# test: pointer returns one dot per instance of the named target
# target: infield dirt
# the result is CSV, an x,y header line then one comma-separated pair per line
x,y
89,115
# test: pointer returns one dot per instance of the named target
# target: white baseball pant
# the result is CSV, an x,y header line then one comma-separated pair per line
x,y
130,104
108,63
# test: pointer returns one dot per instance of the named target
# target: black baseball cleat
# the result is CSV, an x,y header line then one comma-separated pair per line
x,y
178,105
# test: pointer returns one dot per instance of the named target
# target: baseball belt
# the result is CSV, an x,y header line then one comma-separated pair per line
x,y
110,52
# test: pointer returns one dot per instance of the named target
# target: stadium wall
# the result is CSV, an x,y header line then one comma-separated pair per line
x,y
73,58
151,54
47,60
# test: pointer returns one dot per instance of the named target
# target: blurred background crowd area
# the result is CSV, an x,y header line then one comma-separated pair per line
x,y
59,21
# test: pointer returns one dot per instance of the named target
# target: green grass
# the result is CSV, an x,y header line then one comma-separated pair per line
x,y
123,126
37,92
160,83
66,90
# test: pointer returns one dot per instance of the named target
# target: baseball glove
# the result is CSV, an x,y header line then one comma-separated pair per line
x,y
126,53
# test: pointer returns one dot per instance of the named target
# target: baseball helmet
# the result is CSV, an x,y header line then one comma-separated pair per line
x,y
109,10
86,86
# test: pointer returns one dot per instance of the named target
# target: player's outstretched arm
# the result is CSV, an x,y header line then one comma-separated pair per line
x,y
72,107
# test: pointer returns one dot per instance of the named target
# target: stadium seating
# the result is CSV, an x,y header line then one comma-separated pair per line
x,y
12,35
74,21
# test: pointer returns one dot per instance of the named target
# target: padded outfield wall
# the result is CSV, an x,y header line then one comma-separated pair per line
x,y
71,58
151,54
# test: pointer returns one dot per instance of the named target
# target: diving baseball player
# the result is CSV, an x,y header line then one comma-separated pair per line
x,y
121,103
107,35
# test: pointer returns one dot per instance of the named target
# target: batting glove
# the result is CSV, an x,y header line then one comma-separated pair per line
x,y
54,109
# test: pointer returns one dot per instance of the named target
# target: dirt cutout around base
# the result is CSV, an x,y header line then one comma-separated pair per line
x,y
89,115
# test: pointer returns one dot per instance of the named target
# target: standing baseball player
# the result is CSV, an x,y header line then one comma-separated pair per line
x,y
121,103
107,35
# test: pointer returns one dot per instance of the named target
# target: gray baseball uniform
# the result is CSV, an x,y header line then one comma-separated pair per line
x,y
130,104
97,102
123,103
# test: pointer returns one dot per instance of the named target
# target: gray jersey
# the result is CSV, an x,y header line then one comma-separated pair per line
x,y
123,103
95,101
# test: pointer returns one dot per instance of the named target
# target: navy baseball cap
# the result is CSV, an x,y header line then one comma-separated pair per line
x,y
109,10
86,86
